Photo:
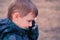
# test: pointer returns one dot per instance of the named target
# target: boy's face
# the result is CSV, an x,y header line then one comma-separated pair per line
x,y
23,22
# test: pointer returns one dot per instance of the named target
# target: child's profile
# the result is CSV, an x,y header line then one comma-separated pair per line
x,y
20,22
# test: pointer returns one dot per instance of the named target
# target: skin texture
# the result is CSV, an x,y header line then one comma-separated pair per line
x,y
23,22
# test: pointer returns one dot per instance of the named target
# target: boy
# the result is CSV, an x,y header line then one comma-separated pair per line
x,y
20,24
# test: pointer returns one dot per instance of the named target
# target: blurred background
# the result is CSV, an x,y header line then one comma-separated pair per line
x,y
48,18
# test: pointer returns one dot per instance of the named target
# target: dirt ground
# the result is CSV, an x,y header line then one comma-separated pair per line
x,y
48,18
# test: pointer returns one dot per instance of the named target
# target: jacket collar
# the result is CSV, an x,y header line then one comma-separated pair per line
x,y
14,26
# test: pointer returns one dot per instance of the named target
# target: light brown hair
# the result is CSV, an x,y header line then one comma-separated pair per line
x,y
23,7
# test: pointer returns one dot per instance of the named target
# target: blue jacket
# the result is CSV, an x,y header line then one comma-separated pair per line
x,y
10,31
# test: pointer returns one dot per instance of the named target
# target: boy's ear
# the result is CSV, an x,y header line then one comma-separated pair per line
x,y
15,15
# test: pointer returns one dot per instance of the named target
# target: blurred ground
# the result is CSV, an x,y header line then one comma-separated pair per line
x,y
48,18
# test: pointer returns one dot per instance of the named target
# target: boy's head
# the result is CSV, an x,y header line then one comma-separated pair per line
x,y
22,13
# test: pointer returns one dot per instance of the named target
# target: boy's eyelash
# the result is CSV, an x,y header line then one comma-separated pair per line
x,y
29,21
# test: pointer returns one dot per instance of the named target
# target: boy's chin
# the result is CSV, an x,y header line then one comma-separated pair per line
x,y
27,27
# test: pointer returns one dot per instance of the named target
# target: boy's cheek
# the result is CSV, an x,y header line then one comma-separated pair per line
x,y
25,25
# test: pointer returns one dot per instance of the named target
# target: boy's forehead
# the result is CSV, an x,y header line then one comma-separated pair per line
x,y
30,16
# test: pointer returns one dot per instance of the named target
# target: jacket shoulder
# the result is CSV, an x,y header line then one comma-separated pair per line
x,y
4,28
3,24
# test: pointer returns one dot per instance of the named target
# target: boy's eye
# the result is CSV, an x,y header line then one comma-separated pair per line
x,y
29,20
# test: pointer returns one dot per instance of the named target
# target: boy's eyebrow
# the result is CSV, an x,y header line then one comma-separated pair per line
x,y
33,19
30,20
